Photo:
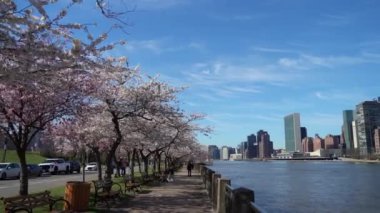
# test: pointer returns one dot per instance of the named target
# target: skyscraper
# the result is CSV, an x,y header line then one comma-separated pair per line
x,y
252,151
292,132
263,140
213,152
367,120
348,117
303,132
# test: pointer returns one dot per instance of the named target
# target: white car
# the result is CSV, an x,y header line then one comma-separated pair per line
x,y
9,170
92,166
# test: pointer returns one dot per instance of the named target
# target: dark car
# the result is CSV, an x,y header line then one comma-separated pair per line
x,y
74,166
34,170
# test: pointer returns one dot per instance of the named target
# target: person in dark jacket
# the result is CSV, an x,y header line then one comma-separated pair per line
x,y
190,166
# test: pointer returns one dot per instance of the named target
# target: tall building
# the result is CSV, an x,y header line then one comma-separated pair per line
x,y
252,151
225,153
367,120
376,137
332,141
348,117
307,144
303,132
292,132
243,149
355,135
318,143
213,152
263,140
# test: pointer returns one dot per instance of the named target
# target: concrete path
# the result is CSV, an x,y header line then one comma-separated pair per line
x,y
185,194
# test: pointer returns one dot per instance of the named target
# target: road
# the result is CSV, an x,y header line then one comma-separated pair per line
x,y
10,187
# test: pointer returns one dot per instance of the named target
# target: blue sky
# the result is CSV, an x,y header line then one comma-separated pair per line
x,y
248,63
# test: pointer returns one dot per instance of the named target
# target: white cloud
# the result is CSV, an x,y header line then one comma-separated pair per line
x,y
157,4
150,45
221,73
335,95
335,20
321,96
273,50
159,46
308,61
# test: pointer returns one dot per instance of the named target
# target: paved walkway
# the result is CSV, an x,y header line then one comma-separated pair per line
x,y
185,194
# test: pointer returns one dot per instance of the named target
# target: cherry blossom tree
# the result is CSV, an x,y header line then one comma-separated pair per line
x,y
173,130
44,71
125,95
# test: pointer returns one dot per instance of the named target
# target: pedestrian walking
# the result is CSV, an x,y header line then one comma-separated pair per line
x,y
190,166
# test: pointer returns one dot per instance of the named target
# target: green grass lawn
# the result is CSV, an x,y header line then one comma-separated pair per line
x,y
31,157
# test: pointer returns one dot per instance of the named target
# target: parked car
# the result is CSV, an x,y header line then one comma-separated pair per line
x,y
55,165
92,166
74,166
34,170
9,170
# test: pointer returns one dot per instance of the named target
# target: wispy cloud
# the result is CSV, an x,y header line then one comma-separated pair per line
x,y
150,45
335,95
159,46
220,73
273,50
308,61
157,4
334,20
237,17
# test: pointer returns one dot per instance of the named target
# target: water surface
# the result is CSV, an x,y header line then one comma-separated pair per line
x,y
307,186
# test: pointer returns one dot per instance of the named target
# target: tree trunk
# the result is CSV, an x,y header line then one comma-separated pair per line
x,y
159,162
138,161
155,163
146,161
111,153
5,151
24,172
98,163
133,163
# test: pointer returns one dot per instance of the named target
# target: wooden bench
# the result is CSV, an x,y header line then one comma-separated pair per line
x,y
26,203
106,190
131,185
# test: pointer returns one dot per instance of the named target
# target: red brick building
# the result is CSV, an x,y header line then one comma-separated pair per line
x,y
318,143
307,144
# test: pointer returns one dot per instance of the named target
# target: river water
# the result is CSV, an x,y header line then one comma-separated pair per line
x,y
307,186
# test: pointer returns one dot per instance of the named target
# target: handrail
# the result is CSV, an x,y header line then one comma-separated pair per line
x,y
255,208
228,199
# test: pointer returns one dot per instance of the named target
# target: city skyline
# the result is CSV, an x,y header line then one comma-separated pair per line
x,y
247,64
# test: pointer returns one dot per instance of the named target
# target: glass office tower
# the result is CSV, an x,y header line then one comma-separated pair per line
x,y
292,133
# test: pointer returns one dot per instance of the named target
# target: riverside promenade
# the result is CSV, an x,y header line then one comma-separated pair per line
x,y
185,194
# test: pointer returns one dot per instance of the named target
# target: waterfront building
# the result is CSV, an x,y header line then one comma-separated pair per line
x,y
332,141
224,153
307,144
367,120
252,146
318,143
263,139
355,135
292,132
303,132
213,152
243,149
376,137
348,118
